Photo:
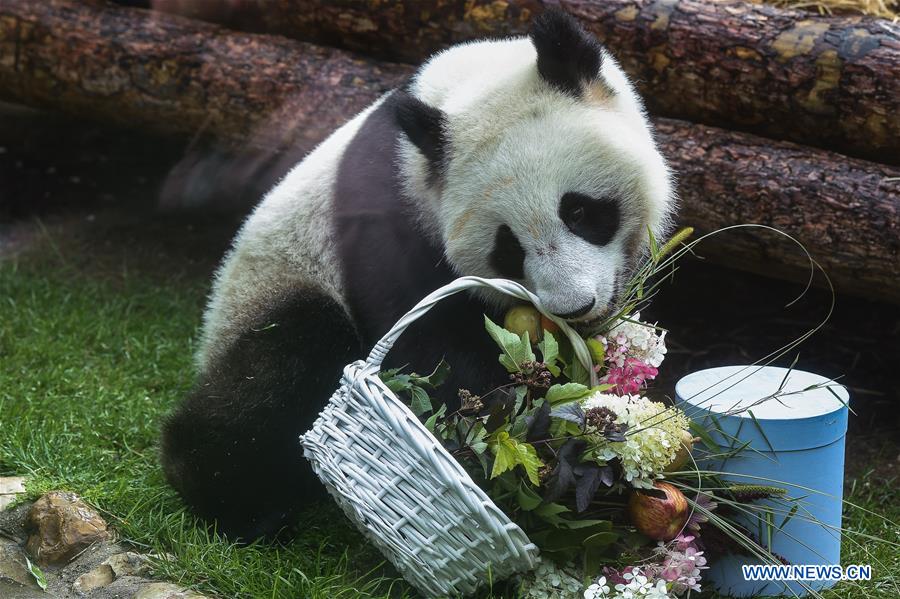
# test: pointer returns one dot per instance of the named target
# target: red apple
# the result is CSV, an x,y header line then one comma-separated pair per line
x,y
658,518
548,325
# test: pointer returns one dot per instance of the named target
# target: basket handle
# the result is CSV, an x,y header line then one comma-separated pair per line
x,y
378,353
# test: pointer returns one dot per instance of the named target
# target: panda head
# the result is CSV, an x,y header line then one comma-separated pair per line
x,y
532,159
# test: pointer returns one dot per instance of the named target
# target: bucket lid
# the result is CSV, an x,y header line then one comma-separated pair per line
x,y
810,411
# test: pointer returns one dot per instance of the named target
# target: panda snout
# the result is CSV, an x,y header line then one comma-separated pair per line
x,y
579,312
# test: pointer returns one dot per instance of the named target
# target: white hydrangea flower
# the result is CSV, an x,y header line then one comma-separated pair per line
x,y
652,439
548,581
659,591
597,590
636,339
638,586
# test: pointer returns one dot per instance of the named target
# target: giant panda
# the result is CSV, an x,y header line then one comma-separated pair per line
x,y
527,158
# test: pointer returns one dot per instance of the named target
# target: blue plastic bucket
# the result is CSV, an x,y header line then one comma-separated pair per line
x,y
796,438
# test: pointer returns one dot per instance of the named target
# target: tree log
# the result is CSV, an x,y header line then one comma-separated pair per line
x,y
845,211
178,75
830,82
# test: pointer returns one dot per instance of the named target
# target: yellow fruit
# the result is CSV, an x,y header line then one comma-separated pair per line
x,y
683,457
524,318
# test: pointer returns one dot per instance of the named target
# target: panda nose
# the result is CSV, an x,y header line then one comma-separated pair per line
x,y
580,311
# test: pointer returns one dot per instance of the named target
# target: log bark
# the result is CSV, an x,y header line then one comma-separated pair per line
x,y
177,75
845,211
181,76
830,82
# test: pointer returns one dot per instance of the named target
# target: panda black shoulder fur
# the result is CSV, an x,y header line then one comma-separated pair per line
x,y
527,158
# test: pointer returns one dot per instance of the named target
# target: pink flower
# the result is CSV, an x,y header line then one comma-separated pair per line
x,y
680,564
615,577
629,377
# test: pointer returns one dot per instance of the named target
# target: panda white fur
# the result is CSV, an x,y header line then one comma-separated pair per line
x,y
528,158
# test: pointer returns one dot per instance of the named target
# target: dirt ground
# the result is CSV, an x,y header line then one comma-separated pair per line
x,y
104,198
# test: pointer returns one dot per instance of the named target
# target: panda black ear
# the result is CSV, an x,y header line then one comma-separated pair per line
x,y
424,125
568,57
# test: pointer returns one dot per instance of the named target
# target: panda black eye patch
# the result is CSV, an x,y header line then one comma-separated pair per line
x,y
507,257
594,220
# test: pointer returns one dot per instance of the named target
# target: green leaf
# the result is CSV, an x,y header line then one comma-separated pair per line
x,y
389,374
654,245
398,383
700,431
432,420
510,453
551,509
790,515
528,499
515,349
39,577
577,373
761,431
484,460
505,454
518,428
521,392
476,433
550,352
595,558
436,378
568,392
421,403
529,459
577,524
598,352
601,539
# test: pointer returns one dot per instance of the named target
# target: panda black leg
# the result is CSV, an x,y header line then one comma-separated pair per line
x,y
231,449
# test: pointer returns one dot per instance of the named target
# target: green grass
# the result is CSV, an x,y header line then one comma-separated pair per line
x,y
90,363
88,366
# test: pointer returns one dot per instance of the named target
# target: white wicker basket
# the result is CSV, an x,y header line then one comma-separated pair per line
x,y
402,489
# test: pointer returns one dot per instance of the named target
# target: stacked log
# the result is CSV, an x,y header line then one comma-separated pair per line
x,y
183,76
829,82
175,75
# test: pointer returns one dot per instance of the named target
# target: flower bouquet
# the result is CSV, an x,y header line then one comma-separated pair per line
x,y
600,477
619,495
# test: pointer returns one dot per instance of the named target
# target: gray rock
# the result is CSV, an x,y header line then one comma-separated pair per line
x,y
10,488
165,590
104,569
127,563
13,590
13,565
100,576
